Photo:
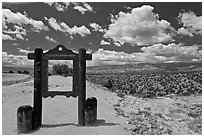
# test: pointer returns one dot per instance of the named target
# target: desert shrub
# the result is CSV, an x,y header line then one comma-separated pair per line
x,y
107,83
62,69
10,71
19,71
150,85
26,72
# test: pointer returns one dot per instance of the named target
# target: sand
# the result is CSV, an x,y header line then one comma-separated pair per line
x,y
60,113
117,114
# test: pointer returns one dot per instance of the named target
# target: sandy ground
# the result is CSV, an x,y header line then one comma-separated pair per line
x,y
60,113
117,114
9,79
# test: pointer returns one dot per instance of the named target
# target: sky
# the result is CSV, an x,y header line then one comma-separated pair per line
x,y
115,33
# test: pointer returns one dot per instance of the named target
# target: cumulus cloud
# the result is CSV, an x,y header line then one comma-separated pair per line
x,y
16,60
191,22
183,31
17,33
80,9
60,6
157,53
53,23
63,27
19,36
20,19
97,27
177,51
24,51
103,42
7,37
79,6
18,30
117,44
84,8
80,30
50,39
140,27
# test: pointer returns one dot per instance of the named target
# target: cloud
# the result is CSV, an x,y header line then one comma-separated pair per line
x,y
20,19
183,31
80,30
19,36
140,27
97,27
179,52
7,37
117,44
16,60
157,53
24,51
60,6
88,7
103,42
79,6
80,9
17,33
84,8
53,23
50,39
18,30
191,22
63,27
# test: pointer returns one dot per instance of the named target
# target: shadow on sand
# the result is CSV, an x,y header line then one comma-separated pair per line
x,y
102,122
99,122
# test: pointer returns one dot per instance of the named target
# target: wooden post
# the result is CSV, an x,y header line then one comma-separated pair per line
x,y
24,119
37,104
81,87
75,76
91,111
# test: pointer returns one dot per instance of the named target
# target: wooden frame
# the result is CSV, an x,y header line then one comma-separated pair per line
x,y
41,79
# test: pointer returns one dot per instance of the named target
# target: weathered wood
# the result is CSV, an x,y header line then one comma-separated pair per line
x,y
75,76
37,107
61,93
81,87
44,76
24,119
41,80
91,111
31,55
59,57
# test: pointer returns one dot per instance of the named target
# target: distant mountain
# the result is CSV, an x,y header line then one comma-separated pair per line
x,y
147,68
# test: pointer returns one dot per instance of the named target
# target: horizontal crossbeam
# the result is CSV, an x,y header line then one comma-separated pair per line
x,y
59,56
62,93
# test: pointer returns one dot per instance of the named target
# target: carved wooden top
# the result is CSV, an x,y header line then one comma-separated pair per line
x,y
60,50
59,53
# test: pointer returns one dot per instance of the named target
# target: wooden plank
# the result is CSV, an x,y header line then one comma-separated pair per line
x,y
37,107
44,81
59,93
75,76
81,87
58,56
31,55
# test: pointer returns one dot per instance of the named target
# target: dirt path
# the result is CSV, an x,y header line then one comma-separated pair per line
x,y
171,115
116,115
10,79
60,113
